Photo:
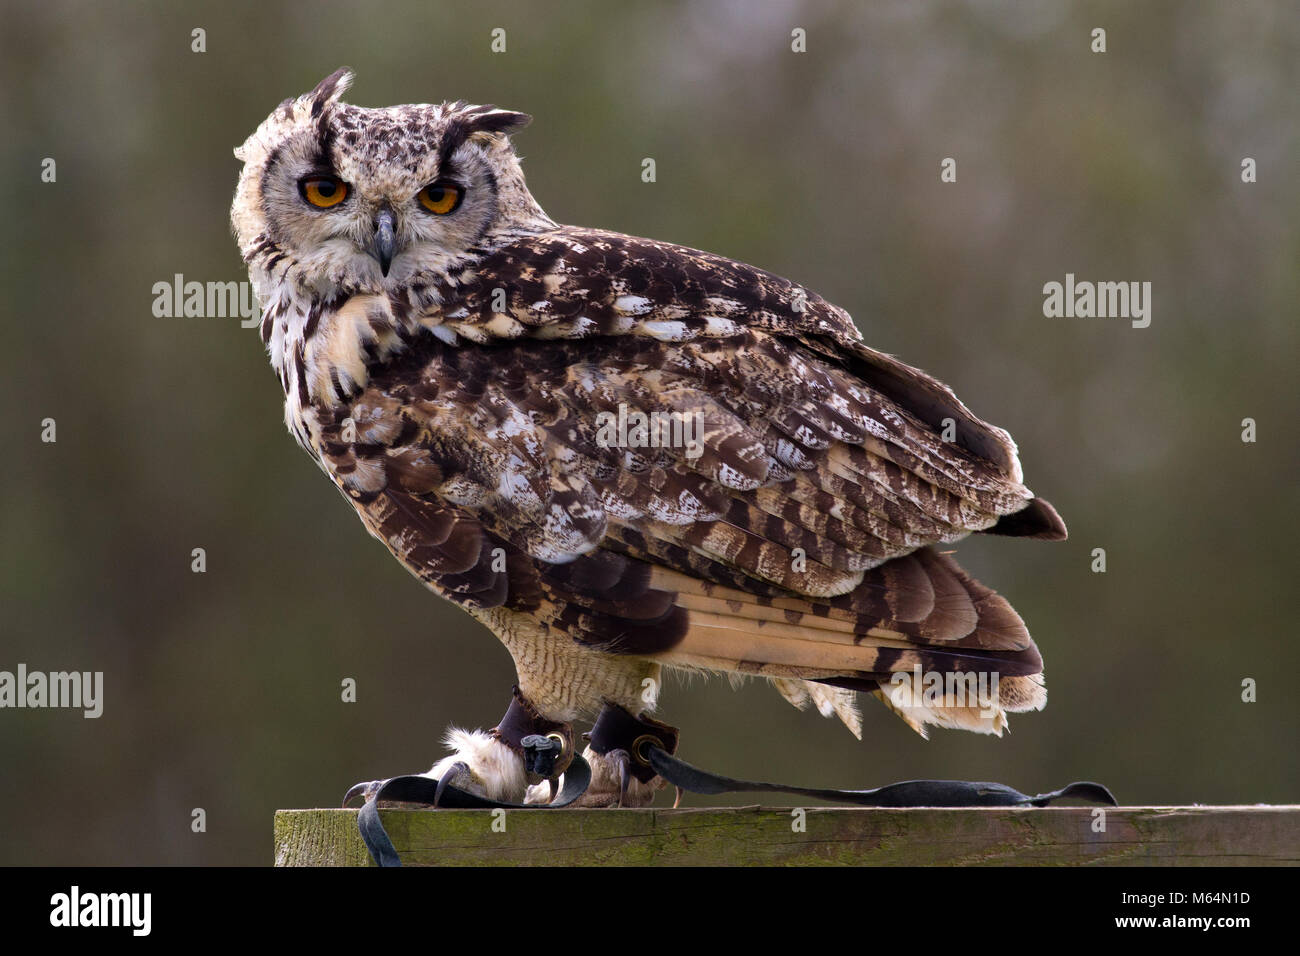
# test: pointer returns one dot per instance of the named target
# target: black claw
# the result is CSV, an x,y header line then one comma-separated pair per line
x,y
624,762
458,767
364,789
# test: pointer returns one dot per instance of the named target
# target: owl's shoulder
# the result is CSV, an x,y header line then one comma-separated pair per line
x,y
576,282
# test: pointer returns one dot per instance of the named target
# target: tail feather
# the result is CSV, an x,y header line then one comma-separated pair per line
x,y
918,614
1038,519
830,701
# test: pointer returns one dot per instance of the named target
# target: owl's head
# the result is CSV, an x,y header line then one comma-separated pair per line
x,y
340,197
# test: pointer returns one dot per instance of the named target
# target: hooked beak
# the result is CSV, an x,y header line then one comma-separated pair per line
x,y
385,239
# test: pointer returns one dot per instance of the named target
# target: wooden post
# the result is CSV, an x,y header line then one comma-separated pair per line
x,y
742,836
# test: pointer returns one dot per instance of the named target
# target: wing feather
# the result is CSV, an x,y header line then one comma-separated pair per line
x,y
790,538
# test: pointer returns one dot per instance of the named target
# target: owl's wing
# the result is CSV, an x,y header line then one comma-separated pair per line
x,y
782,530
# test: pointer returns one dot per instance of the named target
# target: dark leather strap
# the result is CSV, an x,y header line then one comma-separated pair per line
x,y
522,720
650,745
910,793
616,729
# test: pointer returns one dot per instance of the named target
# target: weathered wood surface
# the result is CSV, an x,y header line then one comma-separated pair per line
x,y
747,836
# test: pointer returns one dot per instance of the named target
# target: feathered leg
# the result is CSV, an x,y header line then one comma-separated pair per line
x,y
567,681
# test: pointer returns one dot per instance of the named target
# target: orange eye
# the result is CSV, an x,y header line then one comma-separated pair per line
x,y
324,191
441,197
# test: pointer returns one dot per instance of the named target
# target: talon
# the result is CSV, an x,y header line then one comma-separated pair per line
x,y
456,770
364,789
624,761
620,740
677,800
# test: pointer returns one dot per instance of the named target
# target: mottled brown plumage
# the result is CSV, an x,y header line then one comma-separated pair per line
x,y
458,400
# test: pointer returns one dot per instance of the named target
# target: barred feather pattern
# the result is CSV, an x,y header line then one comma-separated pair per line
x,y
467,439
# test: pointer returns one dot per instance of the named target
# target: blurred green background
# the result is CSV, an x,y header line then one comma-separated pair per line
x,y
223,688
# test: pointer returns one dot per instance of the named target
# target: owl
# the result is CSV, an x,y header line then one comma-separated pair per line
x,y
622,456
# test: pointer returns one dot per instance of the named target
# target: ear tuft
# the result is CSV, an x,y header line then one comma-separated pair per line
x,y
329,90
500,121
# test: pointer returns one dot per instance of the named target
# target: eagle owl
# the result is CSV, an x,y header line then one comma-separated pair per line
x,y
493,392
